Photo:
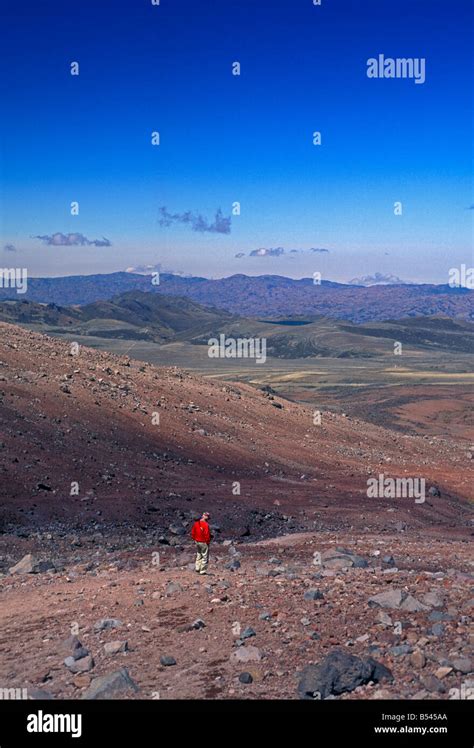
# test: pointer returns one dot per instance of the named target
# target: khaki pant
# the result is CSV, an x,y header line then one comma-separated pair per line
x,y
202,557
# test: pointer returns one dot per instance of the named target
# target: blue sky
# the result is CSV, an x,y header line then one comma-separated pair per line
x,y
247,138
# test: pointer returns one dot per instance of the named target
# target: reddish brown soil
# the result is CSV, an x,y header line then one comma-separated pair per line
x,y
446,411
99,433
88,418
38,611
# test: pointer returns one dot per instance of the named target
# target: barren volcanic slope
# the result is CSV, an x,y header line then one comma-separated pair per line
x,y
87,421
369,581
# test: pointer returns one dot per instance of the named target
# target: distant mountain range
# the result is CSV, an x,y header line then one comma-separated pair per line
x,y
263,295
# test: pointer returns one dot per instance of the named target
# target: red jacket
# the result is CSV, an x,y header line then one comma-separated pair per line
x,y
201,532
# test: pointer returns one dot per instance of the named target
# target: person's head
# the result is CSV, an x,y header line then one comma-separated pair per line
x,y
206,516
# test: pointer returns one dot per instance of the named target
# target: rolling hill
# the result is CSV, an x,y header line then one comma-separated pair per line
x,y
162,319
134,315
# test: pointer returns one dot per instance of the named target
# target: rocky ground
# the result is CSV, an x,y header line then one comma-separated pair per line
x,y
97,589
140,623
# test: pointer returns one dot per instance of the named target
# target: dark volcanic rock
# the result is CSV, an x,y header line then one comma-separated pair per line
x,y
111,686
167,661
107,623
437,615
248,633
338,673
245,678
79,665
30,565
38,694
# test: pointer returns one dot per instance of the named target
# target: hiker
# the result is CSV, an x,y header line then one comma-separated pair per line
x,y
201,535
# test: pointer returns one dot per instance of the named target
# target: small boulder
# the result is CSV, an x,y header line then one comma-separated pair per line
x,y
339,673
233,565
412,605
437,629
389,599
246,654
418,659
113,648
29,564
245,678
82,665
111,686
247,633
172,588
463,665
107,623
167,661
198,624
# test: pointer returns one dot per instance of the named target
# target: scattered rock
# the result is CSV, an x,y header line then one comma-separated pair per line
x,y
198,624
72,647
412,605
442,672
113,648
339,673
233,565
418,659
437,629
384,618
432,684
438,615
389,599
463,665
400,650
340,562
245,678
29,564
176,529
248,633
81,665
82,681
107,623
38,694
111,686
167,661
246,654
432,600
173,588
